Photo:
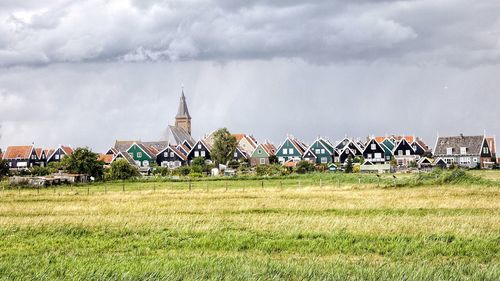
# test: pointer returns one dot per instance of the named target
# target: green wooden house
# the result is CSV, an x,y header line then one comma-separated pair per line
x,y
142,156
320,152
260,155
290,150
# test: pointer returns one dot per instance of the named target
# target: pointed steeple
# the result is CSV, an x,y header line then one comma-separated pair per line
x,y
183,111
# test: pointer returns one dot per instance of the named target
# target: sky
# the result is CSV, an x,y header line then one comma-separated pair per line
x,y
86,73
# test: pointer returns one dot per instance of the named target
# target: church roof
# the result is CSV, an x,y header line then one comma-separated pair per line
x,y
177,135
183,111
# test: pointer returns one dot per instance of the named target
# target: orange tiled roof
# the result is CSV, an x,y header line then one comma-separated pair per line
x,y
239,136
38,152
270,148
18,152
379,139
68,150
106,158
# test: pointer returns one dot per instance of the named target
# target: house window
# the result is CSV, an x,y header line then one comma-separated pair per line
x,y
369,156
62,156
324,160
373,146
322,151
165,154
464,160
203,153
235,154
172,154
285,151
260,151
290,151
199,146
408,152
449,150
378,155
463,150
262,161
10,164
196,154
475,160
486,150
139,154
317,151
145,163
56,156
414,148
400,152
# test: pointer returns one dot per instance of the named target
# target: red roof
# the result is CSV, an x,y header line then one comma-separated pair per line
x,y
38,152
106,158
269,148
68,150
18,152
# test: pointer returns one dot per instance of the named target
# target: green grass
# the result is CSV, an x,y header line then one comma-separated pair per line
x,y
284,231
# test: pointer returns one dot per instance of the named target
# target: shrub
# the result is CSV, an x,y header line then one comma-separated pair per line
x,y
122,170
304,167
40,171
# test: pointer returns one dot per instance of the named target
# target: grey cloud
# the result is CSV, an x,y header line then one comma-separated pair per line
x,y
423,32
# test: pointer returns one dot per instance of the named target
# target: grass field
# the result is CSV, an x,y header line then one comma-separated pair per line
x,y
350,227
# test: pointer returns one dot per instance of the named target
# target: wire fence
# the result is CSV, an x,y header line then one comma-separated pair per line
x,y
202,185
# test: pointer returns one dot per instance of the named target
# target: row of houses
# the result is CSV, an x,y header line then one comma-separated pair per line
x,y
29,156
403,151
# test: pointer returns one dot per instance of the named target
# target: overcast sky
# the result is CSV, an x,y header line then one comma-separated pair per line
x,y
86,73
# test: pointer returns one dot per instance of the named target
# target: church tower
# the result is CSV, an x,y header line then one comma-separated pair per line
x,y
183,119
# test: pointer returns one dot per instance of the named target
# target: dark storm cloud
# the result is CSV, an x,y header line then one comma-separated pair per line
x,y
427,31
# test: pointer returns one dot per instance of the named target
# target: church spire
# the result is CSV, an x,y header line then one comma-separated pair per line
x,y
183,119
183,111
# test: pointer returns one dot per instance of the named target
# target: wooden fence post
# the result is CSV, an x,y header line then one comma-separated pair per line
x,y
88,190
123,187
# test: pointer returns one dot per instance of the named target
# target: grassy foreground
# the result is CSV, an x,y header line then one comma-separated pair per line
x,y
356,231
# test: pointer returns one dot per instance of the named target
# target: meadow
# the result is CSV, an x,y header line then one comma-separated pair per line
x,y
336,227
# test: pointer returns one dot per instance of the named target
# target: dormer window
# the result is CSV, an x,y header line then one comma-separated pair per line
x,y
463,150
449,150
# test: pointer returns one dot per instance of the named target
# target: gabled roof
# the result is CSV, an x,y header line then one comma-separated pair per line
x,y
18,152
424,160
156,145
174,150
144,149
125,155
106,158
67,150
39,152
324,143
472,143
403,140
123,145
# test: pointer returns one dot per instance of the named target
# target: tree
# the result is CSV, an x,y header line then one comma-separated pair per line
x,y
273,159
4,168
224,146
40,171
348,165
83,161
198,165
304,167
122,170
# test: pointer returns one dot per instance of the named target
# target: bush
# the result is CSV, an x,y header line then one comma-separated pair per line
x,y
4,168
304,167
40,171
122,170
181,171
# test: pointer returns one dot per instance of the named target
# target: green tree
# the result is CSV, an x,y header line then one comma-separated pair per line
x,y
4,168
40,171
348,165
198,165
224,146
122,170
84,161
304,167
273,159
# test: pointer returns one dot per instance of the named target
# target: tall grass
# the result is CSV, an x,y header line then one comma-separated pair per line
x,y
417,233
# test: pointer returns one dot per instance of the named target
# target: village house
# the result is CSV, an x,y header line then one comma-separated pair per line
x,y
20,157
465,151
320,151
261,154
171,157
56,155
290,150
200,149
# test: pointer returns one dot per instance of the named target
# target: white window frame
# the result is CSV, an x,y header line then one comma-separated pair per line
x,y
324,160
290,151
196,153
262,161
449,150
408,152
373,146
139,154
203,154
285,151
